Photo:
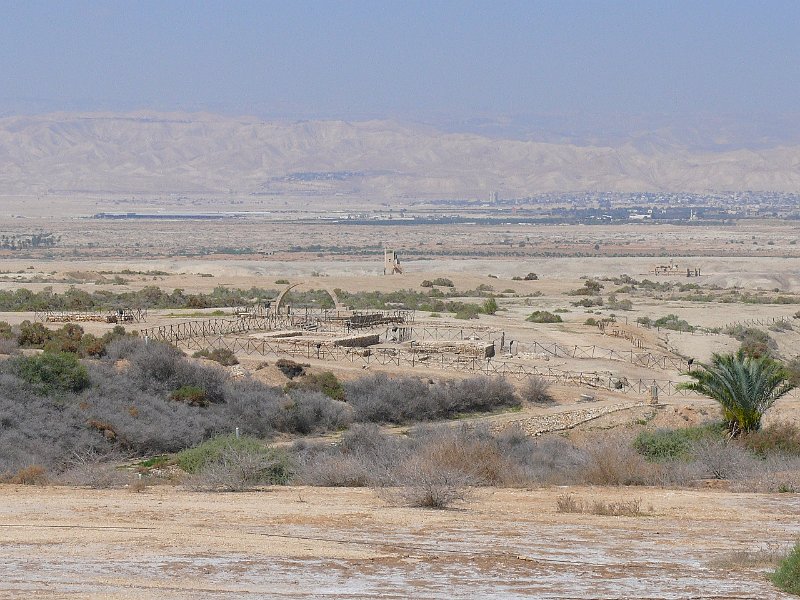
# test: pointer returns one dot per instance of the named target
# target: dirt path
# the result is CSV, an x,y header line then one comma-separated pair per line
x,y
347,543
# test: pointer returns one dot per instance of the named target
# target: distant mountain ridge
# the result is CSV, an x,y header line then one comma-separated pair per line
x,y
205,153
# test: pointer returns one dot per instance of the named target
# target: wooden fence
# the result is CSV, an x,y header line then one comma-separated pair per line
x,y
398,357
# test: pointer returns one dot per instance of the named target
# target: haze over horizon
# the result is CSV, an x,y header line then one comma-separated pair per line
x,y
713,75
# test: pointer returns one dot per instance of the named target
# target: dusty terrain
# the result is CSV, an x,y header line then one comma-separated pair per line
x,y
348,543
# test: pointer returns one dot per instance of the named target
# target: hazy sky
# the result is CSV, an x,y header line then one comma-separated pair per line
x,y
448,59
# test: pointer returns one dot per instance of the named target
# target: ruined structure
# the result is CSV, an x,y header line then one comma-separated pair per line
x,y
391,263
675,269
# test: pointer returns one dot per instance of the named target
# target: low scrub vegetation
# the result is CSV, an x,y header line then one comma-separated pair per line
x,y
671,444
144,399
673,322
433,300
589,302
787,576
73,299
536,390
230,463
325,383
381,399
591,287
222,356
754,342
568,503
51,373
543,316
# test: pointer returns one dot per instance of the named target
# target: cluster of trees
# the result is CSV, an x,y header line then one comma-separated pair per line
x,y
69,338
433,301
23,299
28,241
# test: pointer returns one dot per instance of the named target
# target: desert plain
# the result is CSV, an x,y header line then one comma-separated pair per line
x,y
714,538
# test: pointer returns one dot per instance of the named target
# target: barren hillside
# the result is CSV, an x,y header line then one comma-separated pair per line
x,y
173,153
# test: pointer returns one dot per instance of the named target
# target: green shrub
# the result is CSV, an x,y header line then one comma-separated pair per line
x,y
792,367
662,444
531,277
543,316
191,395
443,281
290,368
615,304
52,372
490,306
193,459
669,444
223,356
33,335
787,575
6,332
218,450
426,283
325,382
66,339
589,302
673,322
467,311
590,288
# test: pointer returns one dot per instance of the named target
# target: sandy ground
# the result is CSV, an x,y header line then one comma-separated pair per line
x,y
348,543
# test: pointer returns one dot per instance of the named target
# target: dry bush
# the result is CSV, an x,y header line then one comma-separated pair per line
x,y
622,508
30,475
94,470
314,411
546,460
422,482
567,503
537,391
778,473
9,346
470,451
223,356
722,459
290,368
336,471
612,461
766,555
779,438
365,456
380,399
139,483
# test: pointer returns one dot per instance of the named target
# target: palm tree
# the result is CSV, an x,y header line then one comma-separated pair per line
x,y
745,386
